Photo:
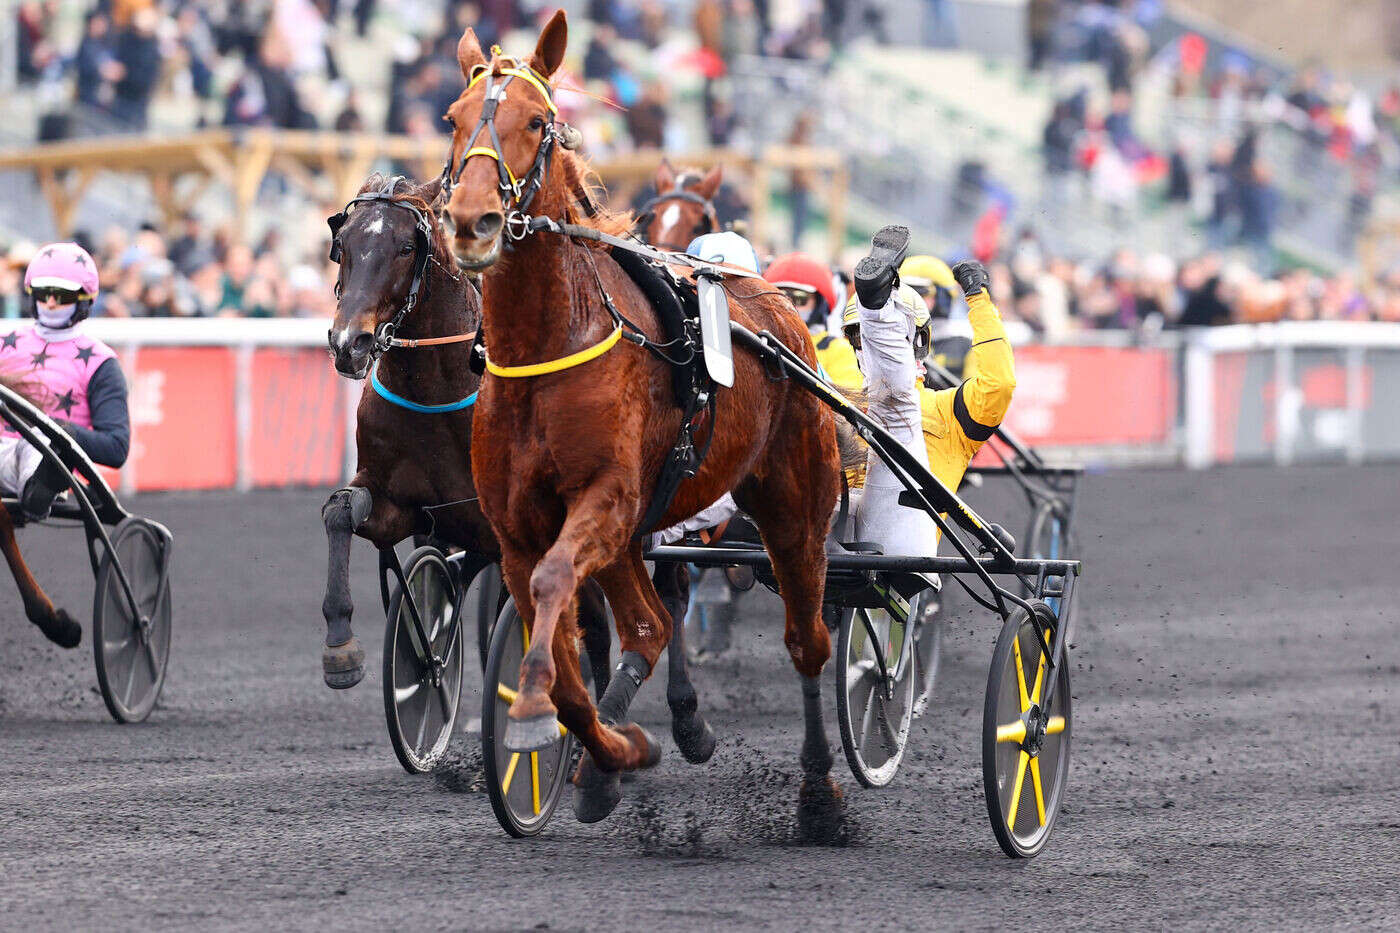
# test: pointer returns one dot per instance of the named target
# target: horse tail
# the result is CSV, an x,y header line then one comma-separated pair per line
x,y
848,442
22,385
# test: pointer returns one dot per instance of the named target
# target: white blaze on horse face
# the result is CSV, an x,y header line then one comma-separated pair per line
x,y
669,218
375,226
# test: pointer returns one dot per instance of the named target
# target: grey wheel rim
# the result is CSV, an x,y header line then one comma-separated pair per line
x,y
131,650
422,694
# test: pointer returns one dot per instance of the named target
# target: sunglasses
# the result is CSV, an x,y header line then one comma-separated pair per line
x,y
64,296
798,297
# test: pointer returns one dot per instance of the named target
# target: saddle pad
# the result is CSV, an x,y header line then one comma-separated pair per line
x,y
672,307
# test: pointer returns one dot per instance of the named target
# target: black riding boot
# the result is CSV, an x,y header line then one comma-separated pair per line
x,y
43,487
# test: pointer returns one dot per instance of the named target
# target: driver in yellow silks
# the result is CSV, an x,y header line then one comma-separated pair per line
x,y
956,421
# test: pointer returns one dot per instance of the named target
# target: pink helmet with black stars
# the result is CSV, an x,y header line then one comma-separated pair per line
x,y
62,265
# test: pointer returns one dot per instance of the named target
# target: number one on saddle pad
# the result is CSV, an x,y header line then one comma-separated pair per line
x,y
714,330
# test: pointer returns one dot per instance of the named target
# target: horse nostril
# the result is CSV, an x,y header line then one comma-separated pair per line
x,y
362,344
488,225
449,226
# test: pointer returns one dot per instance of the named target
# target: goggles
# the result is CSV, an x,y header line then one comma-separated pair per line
x,y
64,296
800,297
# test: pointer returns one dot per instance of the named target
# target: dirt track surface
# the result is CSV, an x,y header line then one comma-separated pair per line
x,y
1235,762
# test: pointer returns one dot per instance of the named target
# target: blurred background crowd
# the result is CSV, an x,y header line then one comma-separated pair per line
x,y
1181,176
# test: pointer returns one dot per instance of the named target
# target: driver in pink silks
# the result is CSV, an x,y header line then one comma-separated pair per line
x,y
73,378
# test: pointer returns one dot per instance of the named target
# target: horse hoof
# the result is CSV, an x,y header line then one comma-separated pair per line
x,y
821,813
596,793
641,738
533,734
694,738
60,629
343,666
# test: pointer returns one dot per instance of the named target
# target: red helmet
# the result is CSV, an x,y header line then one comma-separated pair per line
x,y
798,270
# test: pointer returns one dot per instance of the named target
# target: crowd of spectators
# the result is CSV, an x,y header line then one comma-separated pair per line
x,y
1221,106
1056,295
187,272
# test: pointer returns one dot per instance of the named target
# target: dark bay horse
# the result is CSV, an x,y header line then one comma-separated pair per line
x,y
413,469
572,426
683,208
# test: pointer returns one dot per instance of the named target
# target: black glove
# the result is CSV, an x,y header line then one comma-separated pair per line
x,y
972,276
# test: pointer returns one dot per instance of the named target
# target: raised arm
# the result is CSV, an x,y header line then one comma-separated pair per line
x,y
982,400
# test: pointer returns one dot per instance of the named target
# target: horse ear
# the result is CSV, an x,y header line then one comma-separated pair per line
x,y
709,185
665,177
429,192
469,53
549,51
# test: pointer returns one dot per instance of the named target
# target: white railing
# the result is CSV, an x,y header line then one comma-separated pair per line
x,y
1270,393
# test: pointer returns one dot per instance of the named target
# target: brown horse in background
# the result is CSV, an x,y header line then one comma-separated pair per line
x,y
565,463
683,208
56,624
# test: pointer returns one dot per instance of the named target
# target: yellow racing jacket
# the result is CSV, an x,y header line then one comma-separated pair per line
x,y
838,360
958,421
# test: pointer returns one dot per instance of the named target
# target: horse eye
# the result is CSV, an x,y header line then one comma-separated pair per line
x,y
537,123
405,249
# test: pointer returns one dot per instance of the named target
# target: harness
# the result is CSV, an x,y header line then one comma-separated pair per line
x,y
680,194
384,338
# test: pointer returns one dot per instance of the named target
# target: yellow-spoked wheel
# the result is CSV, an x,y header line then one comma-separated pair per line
x,y
524,787
1025,737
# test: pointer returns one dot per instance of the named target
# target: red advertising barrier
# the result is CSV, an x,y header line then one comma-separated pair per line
x,y
185,414
182,417
1089,396
298,431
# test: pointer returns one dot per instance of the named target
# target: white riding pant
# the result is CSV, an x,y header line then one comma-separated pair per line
x,y
18,461
891,375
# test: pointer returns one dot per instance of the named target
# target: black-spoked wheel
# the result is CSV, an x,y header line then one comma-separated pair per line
x,y
423,673
131,649
1025,737
875,688
524,787
486,590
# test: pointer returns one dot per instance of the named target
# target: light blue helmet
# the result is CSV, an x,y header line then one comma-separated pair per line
x,y
727,247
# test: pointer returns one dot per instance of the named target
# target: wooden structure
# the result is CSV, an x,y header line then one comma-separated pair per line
x,y
332,166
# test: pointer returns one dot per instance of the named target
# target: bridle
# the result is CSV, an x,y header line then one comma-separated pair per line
x,y
384,337
648,210
516,193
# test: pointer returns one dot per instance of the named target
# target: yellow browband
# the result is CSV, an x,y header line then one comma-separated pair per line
x,y
563,363
524,74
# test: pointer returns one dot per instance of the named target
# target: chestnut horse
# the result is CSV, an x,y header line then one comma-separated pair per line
x,y
572,427
683,208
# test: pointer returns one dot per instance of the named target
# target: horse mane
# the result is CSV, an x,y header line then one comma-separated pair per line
x,y
579,176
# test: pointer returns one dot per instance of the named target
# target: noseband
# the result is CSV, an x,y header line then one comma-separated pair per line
x,y
516,193
423,251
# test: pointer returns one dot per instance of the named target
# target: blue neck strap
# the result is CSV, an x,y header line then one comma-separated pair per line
x,y
402,402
